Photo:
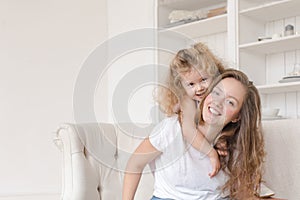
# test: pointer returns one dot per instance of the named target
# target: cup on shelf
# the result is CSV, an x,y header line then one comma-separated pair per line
x,y
270,112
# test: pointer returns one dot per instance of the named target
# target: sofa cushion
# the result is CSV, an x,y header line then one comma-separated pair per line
x,y
282,166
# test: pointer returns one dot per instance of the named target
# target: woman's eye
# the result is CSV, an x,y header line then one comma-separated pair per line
x,y
191,84
230,102
215,93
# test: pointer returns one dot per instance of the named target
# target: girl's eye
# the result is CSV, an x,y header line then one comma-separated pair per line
x,y
191,84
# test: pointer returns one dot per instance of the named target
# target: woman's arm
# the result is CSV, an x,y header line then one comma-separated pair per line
x,y
144,154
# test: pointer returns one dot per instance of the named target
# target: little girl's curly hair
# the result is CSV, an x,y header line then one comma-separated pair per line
x,y
199,57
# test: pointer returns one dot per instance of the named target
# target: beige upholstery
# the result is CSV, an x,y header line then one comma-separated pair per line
x,y
282,171
95,155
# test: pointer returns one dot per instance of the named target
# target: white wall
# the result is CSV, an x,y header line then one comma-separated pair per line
x,y
42,46
124,16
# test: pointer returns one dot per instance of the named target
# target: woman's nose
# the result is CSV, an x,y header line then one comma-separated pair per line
x,y
218,101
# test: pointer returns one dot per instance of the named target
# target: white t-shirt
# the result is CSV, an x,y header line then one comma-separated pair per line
x,y
181,172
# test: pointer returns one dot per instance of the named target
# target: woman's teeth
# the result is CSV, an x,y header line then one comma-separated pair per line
x,y
214,111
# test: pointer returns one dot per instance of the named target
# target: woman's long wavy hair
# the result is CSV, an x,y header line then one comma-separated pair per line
x,y
244,140
198,57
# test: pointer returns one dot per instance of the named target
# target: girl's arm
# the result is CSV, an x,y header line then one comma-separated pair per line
x,y
144,154
193,136
189,129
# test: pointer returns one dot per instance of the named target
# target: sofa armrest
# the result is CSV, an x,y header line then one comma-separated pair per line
x,y
79,181
94,159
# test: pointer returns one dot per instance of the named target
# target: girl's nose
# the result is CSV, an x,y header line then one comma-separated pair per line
x,y
200,87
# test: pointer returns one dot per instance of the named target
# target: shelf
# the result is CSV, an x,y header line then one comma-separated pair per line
x,y
217,24
190,4
282,44
279,88
274,10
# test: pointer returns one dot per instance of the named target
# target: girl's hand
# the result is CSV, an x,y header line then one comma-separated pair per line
x,y
215,162
221,148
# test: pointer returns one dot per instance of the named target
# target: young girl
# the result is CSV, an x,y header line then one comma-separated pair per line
x,y
191,72
180,171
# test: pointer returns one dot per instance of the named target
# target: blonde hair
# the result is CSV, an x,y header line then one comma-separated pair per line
x,y
198,57
244,141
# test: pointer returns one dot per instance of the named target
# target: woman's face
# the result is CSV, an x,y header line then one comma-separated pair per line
x,y
195,83
224,103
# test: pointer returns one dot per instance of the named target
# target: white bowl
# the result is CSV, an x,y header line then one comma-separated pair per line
x,y
270,112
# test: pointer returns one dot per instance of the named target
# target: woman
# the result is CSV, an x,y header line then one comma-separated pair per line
x,y
232,108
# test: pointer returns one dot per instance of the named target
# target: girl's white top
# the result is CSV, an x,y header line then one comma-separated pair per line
x,y
181,172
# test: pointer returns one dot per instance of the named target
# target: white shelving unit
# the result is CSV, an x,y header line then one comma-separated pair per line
x,y
272,10
211,25
279,88
265,62
202,27
271,46
268,61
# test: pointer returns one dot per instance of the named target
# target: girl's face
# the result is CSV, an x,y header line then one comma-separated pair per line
x,y
224,103
195,83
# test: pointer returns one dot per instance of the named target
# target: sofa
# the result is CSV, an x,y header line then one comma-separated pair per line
x,y
94,156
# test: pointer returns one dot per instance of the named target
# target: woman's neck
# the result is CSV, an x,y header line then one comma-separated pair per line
x,y
209,131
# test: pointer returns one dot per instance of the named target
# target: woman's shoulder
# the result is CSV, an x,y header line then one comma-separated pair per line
x,y
169,120
166,125
165,132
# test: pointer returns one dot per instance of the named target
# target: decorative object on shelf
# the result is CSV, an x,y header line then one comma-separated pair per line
x,y
217,11
276,35
179,17
292,76
296,70
289,30
262,38
186,15
288,79
270,114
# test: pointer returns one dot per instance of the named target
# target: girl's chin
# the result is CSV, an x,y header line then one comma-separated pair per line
x,y
198,98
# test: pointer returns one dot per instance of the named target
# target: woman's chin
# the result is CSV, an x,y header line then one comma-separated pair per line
x,y
214,121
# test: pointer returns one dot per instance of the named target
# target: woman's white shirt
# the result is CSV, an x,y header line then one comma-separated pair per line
x,y
181,172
